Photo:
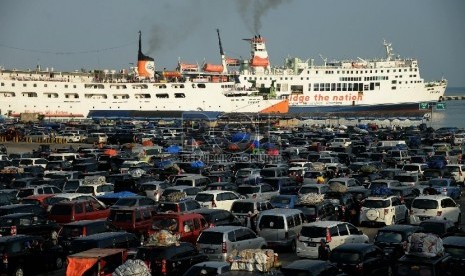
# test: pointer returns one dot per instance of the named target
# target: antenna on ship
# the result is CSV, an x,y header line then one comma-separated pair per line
x,y
324,59
223,58
388,47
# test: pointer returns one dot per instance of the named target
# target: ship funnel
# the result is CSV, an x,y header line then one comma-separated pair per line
x,y
259,56
145,64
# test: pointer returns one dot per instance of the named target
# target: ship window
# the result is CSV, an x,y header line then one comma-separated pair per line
x,y
162,96
388,71
24,85
338,87
12,84
201,85
333,87
3,84
179,95
45,85
327,87
393,81
393,88
34,85
351,87
344,87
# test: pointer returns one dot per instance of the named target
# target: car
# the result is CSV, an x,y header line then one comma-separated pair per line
x,y
415,168
64,197
349,182
344,202
406,194
247,176
437,161
333,233
41,200
58,165
408,179
118,239
217,199
441,228
137,220
30,161
250,207
180,206
135,201
219,217
36,136
320,211
416,265
187,225
224,186
95,189
27,255
455,247
68,211
208,268
81,228
68,137
262,190
457,171
360,259
28,224
218,242
383,183
393,239
310,267
386,210
446,186
38,190
153,189
23,208
190,191
173,259
434,206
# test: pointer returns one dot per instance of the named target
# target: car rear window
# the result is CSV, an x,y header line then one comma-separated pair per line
x,y
344,257
25,192
211,237
271,222
61,210
201,197
248,190
431,227
126,202
424,204
414,270
167,206
313,232
120,216
307,190
388,237
307,210
438,182
280,200
71,231
376,203
242,207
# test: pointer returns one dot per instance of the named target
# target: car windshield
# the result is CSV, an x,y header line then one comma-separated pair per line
x,y
242,207
210,237
452,169
408,269
388,237
126,202
313,232
271,222
165,224
201,197
281,200
376,203
456,252
424,204
308,190
344,257
248,190
405,178
25,192
438,182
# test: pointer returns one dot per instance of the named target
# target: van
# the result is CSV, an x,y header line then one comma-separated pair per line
x,y
198,181
399,156
137,220
280,227
68,211
273,172
97,138
81,228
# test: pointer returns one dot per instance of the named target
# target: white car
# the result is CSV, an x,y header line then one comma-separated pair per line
x,y
457,170
434,206
217,199
385,210
69,137
334,233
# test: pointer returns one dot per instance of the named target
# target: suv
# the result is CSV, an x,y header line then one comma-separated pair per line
x,y
434,206
334,233
24,254
218,242
388,210
360,259
262,190
38,190
64,212
414,265
137,220
187,225
170,260
22,208
26,223
320,211
219,217
393,239
217,199
104,240
241,208
81,228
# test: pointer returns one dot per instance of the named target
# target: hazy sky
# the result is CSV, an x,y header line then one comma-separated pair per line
x,y
102,34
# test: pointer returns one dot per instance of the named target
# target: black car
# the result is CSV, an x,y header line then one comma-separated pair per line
x,y
393,239
27,255
27,223
82,228
360,259
406,194
345,203
324,210
170,260
177,207
310,267
105,240
219,217
8,196
441,228
409,265
455,247
23,208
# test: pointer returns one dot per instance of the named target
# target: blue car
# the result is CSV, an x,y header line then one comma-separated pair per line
x,y
446,186
284,201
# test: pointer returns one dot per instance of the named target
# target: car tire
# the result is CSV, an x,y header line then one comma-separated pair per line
x,y
18,271
59,262
293,246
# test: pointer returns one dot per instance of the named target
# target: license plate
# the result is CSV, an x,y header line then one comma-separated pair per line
x,y
209,251
424,218
311,244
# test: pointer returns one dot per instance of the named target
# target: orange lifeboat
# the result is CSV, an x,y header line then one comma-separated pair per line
x,y
171,74
188,67
260,62
213,68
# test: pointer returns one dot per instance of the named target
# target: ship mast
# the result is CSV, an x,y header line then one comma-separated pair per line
x,y
389,53
223,58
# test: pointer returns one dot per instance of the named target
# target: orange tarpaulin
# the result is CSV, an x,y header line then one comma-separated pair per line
x,y
77,266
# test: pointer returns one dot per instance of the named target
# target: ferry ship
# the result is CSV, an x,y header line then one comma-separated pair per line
x,y
141,92
389,84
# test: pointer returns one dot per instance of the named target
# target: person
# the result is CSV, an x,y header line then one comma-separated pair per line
x,y
323,250
430,190
54,237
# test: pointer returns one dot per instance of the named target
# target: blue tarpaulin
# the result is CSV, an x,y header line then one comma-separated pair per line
x,y
240,137
173,149
197,164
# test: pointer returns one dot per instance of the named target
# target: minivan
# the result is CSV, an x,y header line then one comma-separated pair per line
x,y
219,241
280,227
193,181
97,138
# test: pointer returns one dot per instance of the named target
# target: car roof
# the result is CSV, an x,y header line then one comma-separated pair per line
x,y
432,197
214,264
280,211
325,223
215,192
16,215
355,246
222,229
399,227
307,264
85,222
103,235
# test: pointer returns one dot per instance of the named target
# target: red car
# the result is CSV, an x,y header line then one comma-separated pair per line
x,y
64,212
42,200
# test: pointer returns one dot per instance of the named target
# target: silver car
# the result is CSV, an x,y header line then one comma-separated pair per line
x,y
218,242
